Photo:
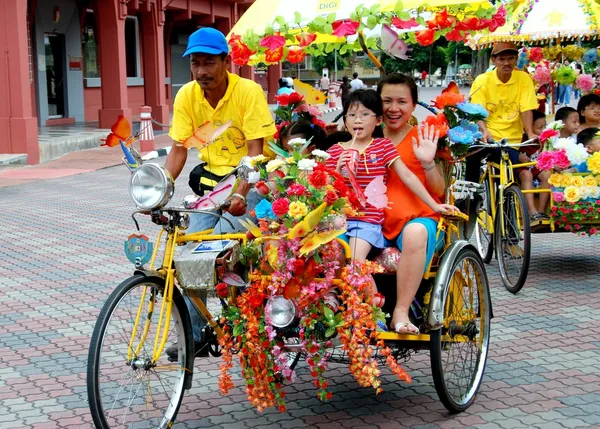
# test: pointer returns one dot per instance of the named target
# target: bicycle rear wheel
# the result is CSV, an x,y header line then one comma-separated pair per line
x,y
134,391
512,239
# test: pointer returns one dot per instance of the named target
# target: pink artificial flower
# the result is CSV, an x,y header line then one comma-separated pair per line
x,y
545,161
558,197
549,133
272,42
593,231
561,159
296,189
311,110
404,25
585,82
345,27
542,75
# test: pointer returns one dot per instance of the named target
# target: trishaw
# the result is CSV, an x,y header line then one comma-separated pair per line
x,y
132,382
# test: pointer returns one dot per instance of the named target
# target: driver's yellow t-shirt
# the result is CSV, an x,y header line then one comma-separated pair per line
x,y
505,102
244,103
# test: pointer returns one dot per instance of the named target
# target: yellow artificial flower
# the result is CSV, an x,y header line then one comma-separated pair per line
x,y
572,194
257,160
593,163
590,181
274,164
555,180
297,210
578,181
567,180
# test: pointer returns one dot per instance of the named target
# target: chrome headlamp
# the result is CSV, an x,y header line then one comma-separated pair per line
x,y
151,186
280,311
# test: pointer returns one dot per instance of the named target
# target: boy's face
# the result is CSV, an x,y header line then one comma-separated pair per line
x,y
592,113
572,123
539,125
593,146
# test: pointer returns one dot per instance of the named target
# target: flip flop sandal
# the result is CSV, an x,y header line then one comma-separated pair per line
x,y
409,328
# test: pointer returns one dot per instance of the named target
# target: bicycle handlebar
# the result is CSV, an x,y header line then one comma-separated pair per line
x,y
504,143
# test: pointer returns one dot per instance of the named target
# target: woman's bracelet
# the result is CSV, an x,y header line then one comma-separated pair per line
x,y
240,196
429,167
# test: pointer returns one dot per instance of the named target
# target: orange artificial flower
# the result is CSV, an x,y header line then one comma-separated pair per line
x,y
274,56
296,54
305,38
441,20
425,37
439,122
448,99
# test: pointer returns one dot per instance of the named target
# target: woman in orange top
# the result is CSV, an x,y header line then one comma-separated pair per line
x,y
410,224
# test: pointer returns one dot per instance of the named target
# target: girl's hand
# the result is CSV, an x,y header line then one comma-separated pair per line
x,y
446,209
523,158
344,158
426,147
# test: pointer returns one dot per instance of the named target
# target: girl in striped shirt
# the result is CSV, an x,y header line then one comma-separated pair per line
x,y
363,115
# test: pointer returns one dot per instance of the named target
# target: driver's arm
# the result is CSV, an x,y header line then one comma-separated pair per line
x,y
176,159
527,118
255,147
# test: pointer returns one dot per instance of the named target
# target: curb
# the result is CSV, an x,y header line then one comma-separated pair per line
x,y
333,109
157,153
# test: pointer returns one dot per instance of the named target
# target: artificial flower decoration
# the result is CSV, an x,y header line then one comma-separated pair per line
x,y
425,37
456,35
565,75
345,27
296,54
542,75
441,20
404,25
272,42
586,83
305,38
448,99
240,53
295,257
536,55
473,109
593,163
590,55
465,134
274,56
439,123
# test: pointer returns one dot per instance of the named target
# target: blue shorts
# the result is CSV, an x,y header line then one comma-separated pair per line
x,y
433,245
369,232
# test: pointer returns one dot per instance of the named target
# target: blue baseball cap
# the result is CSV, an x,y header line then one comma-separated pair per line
x,y
206,41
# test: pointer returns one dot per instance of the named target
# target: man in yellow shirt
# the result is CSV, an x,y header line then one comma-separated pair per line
x,y
218,96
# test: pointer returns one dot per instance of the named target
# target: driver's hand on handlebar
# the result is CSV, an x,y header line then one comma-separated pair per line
x,y
235,206
487,136
447,209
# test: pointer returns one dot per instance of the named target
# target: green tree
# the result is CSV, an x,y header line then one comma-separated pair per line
x,y
419,59
327,61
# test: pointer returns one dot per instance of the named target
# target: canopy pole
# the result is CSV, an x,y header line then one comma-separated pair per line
x,y
372,57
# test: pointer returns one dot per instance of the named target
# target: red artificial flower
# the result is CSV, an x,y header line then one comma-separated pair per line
x,y
283,99
340,186
318,179
471,24
280,127
329,395
295,98
296,54
498,19
272,42
296,189
256,301
455,36
298,267
274,56
305,38
441,20
280,207
262,188
405,25
330,198
240,53
345,27
291,289
546,134
439,123
318,122
425,37
484,23
536,55
222,290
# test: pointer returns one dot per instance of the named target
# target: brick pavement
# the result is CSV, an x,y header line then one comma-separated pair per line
x,y
61,253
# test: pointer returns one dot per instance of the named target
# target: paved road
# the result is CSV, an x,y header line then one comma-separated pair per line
x,y
61,253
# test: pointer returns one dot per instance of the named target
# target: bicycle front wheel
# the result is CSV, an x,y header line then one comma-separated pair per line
x,y
126,387
512,239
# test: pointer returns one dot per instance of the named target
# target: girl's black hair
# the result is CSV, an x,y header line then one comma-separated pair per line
x,y
307,130
587,135
584,102
400,79
371,100
563,113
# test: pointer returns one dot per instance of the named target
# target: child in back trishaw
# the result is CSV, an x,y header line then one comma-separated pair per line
x,y
288,290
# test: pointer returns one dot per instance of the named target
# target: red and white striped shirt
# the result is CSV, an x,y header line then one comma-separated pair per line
x,y
373,161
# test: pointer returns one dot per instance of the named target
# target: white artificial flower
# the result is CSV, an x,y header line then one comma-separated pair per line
x,y
253,177
584,192
297,143
556,125
306,164
594,191
274,164
320,154
577,154
562,143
